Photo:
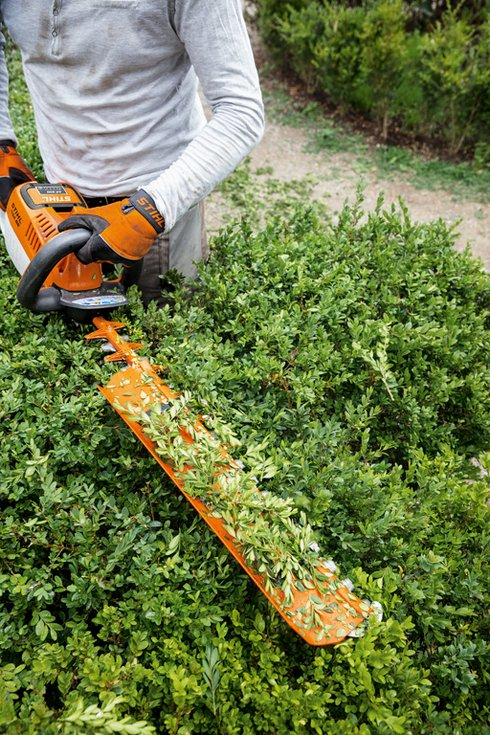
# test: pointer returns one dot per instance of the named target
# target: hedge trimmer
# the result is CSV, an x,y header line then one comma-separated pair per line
x,y
304,589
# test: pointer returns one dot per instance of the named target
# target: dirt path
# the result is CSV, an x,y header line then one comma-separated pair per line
x,y
283,149
337,177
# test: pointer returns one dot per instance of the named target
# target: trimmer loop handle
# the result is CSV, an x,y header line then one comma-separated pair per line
x,y
29,289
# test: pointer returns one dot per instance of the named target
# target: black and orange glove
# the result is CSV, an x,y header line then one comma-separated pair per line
x,y
13,171
122,232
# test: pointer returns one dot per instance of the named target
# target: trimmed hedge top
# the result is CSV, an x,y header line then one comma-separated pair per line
x,y
351,357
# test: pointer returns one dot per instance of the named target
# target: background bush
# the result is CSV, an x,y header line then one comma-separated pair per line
x,y
425,64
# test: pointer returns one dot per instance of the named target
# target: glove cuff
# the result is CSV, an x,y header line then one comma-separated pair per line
x,y
144,204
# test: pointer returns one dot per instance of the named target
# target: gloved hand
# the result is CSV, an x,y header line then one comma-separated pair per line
x,y
122,232
13,171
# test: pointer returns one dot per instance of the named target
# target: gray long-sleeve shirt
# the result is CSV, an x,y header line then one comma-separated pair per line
x,y
114,90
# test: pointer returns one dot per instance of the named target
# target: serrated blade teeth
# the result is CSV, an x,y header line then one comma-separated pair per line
x,y
103,332
122,355
116,357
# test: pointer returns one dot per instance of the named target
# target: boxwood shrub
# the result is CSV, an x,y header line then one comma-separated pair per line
x,y
354,356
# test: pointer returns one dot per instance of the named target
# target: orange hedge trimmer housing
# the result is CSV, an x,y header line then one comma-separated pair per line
x,y
53,279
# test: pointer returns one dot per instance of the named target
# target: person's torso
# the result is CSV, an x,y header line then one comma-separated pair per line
x,y
112,85
108,38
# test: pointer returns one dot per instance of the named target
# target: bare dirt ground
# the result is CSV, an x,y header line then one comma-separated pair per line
x,y
283,149
336,177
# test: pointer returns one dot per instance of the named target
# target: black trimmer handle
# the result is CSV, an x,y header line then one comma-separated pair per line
x,y
29,289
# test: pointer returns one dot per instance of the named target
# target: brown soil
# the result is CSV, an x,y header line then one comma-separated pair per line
x,y
283,148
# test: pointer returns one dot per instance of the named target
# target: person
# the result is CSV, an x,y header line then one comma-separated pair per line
x,y
114,88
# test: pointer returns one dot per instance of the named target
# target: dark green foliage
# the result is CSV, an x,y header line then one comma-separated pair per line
x,y
433,75
424,14
355,357
454,75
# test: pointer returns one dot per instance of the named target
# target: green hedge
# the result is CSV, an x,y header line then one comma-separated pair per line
x,y
371,57
355,356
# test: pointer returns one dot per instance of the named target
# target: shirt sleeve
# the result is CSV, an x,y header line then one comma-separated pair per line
x,y
216,39
6,129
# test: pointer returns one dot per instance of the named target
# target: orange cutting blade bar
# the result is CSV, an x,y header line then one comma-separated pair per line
x,y
137,387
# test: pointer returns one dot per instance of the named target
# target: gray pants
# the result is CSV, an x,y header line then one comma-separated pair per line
x,y
179,250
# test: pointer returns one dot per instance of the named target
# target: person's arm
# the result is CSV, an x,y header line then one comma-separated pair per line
x,y
216,39
13,168
6,129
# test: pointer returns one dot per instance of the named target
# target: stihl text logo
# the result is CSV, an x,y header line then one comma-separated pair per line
x,y
15,215
51,199
155,215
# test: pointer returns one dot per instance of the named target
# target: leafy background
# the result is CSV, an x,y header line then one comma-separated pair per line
x,y
351,353
416,68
